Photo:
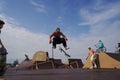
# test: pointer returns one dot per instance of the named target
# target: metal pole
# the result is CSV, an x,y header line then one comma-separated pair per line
x,y
52,52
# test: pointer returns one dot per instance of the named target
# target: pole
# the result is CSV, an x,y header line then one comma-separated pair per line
x,y
52,52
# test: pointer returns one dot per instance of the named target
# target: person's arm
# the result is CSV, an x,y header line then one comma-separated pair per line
x,y
64,36
50,40
1,45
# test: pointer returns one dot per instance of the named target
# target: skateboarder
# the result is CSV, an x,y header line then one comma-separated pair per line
x,y
58,37
92,56
3,53
100,46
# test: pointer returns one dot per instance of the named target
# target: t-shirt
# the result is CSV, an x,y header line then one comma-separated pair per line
x,y
57,34
100,44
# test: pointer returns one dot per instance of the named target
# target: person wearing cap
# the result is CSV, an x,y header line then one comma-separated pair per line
x,y
57,37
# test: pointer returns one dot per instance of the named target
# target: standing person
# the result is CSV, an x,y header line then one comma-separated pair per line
x,y
26,58
92,56
100,46
57,37
3,52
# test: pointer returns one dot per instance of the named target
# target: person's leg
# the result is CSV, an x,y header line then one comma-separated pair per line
x,y
54,42
2,64
93,62
100,49
62,40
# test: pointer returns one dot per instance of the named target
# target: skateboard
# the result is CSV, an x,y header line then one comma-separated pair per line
x,y
62,50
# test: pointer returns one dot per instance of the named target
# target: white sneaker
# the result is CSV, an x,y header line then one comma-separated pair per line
x,y
95,66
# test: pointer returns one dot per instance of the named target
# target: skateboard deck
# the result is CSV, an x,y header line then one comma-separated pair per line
x,y
62,50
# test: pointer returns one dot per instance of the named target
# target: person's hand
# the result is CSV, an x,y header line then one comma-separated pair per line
x,y
66,39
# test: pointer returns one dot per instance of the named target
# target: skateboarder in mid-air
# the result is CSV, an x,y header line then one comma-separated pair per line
x,y
3,53
57,37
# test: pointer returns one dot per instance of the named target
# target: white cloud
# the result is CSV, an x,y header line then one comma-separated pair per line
x,y
39,6
60,20
20,41
98,16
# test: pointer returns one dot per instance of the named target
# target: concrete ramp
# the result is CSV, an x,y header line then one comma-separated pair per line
x,y
105,60
26,65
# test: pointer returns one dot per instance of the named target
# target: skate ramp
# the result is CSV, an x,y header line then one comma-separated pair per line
x,y
105,60
25,65
87,63
109,60
40,56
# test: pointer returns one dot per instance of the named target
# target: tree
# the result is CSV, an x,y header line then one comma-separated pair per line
x,y
16,62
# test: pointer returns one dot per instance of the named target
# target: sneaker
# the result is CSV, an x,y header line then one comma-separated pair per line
x,y
66,48
95,66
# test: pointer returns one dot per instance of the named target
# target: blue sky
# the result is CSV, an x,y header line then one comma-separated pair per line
x,y
30,22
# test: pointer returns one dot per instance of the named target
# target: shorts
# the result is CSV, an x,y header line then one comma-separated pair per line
x,y
93,57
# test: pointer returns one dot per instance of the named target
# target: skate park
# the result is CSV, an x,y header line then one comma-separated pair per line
x,y
41,66
55,70
41,60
